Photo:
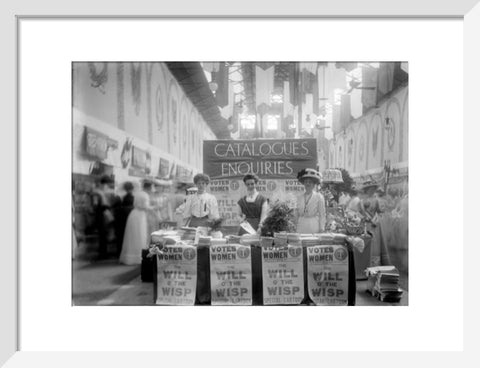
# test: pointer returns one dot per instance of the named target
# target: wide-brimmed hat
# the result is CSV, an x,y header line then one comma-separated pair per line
x,y
162,182
309,174
369,185
192,190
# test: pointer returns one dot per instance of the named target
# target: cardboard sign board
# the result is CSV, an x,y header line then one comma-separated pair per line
x,y
272,158
282,269
328,274
231,274
177,275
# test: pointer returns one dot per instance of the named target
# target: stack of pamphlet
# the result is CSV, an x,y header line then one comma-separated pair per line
x,y
250,239
187,233
199,232
205,241
331,237
309,240
266,241
383,283
218,241
280,239
294,238
164,237
233,239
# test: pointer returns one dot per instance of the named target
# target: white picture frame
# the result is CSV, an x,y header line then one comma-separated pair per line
x,y
13,12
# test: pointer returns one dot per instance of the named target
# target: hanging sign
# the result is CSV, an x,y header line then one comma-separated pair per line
x,y
328,274
231,274
96,144
282,269
163,168
272,158
141,162
177,275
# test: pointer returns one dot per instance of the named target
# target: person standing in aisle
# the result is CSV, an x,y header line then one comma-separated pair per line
x,y
125,209
137,229
103,216
200,207
310,212
253,207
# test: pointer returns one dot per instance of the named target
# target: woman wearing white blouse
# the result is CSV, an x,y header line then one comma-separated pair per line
x,y
200,207
310,213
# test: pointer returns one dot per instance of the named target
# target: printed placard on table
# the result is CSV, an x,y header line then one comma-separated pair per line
x,y
231,274
328,274
177,275
282,269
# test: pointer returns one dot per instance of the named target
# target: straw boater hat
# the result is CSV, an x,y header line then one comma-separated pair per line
x,y
310,174
162,182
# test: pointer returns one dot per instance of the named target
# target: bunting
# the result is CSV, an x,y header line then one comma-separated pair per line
x,y
264,79
330,79
369,78
293,82
341,114
227,111
385,79
221,78
287,106
356,107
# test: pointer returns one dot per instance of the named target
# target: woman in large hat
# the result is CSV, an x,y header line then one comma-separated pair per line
x,y
310,213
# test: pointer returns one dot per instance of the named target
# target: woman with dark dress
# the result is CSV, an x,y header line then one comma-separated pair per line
x,y
253,207
121,219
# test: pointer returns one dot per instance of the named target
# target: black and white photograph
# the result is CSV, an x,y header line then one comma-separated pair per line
x,y
247,183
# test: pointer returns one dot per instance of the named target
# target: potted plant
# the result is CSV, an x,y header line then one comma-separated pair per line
x,y
280,218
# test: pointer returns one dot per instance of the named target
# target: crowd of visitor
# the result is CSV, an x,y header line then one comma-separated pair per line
x,y
123,217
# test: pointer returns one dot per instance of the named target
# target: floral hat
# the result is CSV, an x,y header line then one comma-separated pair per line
x,y
310,174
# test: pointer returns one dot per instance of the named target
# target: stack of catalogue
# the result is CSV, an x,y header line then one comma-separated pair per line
x,y
383,283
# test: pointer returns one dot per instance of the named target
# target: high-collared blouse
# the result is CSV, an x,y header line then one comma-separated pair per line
x,y
313,206
201,205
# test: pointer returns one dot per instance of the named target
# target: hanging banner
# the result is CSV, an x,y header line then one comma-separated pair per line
x,y
282,269
272,158
177,275
231,274
328,274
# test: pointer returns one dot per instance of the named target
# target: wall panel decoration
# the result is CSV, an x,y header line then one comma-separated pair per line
x,y
361,148
392,121
375,141
350,149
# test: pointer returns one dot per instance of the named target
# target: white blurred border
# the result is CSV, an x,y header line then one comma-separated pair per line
x,y
470,133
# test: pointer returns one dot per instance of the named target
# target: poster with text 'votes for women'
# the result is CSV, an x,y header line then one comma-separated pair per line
x,y
177,275
231,274
282,269
328,274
